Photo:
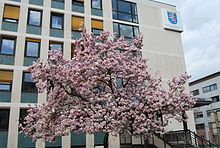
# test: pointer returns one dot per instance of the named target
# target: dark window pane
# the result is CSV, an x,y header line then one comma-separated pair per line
x,y
135,19
134,9
115,15
23,114
32,49
215,99
209,88
114,5
200,126
115,29
124,10
96,31
96,4
126,31
124,6
7,46
34,18
5,87
136,31
195,92
27,77
4,119
125,17
57,22
28,84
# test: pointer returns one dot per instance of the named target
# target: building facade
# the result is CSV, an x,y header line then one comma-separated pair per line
x,y
30,28
207,118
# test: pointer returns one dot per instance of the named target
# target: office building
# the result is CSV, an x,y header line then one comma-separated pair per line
x,y
207,118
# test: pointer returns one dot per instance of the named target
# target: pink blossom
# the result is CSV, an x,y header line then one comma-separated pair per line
x,y
103,90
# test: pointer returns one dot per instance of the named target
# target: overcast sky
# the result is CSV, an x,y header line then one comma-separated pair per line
x,y
201,36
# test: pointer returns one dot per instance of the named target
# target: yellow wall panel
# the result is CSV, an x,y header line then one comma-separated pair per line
x,y
6,76
77,23
97,24
11,12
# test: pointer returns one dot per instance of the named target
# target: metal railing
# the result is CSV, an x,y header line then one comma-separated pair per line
x,y
188,137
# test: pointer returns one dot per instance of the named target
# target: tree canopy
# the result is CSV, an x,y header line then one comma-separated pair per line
x,y
106,87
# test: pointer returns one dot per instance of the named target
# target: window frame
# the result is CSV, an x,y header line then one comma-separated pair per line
x,y
78,30
23,112
198,115
209,87
54,42
92,29
59,15
25,51
215,99
97,8
195,92
200,126
9,84
125,142
7,38
29,12
133,30
10,20
132,15
23,82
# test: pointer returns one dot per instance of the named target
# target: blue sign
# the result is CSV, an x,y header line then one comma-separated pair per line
x,y
172,17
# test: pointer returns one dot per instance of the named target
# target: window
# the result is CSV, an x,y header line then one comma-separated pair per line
x,y
32,48
209,88
125,139
128,31
23,114
56,21
215,99
77,23
4,119
123,10
208,112
28,84
55,46
97,27
195,92
6,78
7,46
200,126
96,4
11,14
198,115
34,17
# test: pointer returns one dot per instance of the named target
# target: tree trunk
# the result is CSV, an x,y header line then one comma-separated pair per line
x,y
146,144
106,140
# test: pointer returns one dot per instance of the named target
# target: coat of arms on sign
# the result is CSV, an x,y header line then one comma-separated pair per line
x,y
172,17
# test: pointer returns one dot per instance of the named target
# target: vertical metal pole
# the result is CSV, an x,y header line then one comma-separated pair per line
x,y
203,144
210,145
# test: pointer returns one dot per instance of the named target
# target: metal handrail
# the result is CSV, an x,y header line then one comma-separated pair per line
x,y
188,137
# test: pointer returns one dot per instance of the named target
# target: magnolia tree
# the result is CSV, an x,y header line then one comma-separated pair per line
x,y
106,87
